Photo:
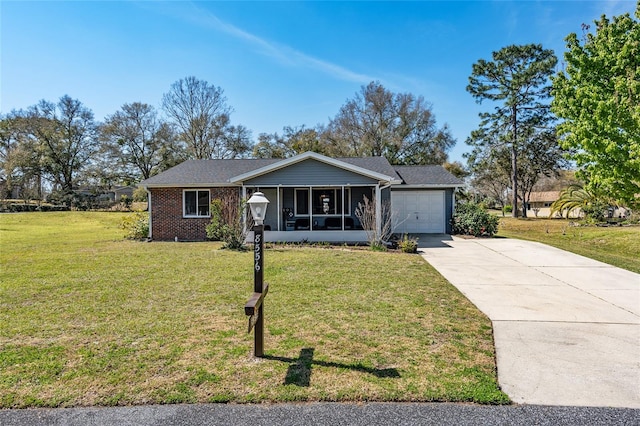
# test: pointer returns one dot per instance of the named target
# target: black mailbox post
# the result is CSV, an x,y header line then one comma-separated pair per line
x,y
254,308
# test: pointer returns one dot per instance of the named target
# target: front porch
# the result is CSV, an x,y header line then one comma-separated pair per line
x,y
314,213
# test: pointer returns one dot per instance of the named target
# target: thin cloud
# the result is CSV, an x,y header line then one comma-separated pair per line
x,y
283,54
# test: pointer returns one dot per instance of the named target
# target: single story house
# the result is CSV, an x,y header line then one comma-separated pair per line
x,y
312,197
540,203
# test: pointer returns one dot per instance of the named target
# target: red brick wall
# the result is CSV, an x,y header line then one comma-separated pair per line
x,y
167,222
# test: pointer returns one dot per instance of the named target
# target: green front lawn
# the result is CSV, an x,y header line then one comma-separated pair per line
x,y
87,318
616,245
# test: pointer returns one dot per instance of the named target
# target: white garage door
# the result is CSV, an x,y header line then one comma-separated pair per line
x,y
418,212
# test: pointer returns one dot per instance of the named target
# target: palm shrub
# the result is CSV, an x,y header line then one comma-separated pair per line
x,y
575,197
472,219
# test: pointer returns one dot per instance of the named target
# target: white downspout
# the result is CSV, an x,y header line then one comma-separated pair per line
x,y
378,210
149,209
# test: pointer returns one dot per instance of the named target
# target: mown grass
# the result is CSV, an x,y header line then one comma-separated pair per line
x,y
87,318
616,245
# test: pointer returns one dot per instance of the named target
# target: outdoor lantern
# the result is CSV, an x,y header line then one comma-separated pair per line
x,y
258,205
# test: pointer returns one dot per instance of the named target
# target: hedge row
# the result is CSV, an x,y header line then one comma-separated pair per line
x,y
17,208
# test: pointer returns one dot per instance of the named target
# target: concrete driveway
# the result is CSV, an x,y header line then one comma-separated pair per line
x,y
566,328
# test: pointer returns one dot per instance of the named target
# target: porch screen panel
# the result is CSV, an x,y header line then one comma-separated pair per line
x,y
302,202
335,203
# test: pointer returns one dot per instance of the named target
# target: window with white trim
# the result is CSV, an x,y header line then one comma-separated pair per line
x,y
195,203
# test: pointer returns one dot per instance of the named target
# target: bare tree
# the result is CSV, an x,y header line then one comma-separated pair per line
x,y
294,141
398,126
201,113
367,214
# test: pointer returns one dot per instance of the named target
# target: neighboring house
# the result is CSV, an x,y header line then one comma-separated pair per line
x,y
540,206
312,197
114,194
117,192
540,203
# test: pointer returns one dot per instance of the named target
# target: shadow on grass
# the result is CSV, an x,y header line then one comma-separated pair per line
x,y
299,372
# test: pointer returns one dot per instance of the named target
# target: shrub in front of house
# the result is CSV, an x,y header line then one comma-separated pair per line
x,y
472,219
215,231
227,224
136,226
408,245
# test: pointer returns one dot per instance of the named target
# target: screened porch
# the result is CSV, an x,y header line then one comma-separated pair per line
x,y
314,213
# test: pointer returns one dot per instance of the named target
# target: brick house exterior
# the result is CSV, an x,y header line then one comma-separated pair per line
x,y
168,220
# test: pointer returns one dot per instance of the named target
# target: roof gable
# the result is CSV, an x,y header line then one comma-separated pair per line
x,y
345,165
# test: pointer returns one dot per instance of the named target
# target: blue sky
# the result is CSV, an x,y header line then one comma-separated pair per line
x,y
279,63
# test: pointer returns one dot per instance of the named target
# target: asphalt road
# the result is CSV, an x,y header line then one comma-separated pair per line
x,y
333,414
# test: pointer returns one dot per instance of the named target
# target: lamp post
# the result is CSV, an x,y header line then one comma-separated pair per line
x,y
254,307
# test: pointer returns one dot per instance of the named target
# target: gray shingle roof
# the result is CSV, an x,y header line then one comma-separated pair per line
x,y
375,164
207,172
426,175
219,172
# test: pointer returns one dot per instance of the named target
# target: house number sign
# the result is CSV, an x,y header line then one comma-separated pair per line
x,y
257,252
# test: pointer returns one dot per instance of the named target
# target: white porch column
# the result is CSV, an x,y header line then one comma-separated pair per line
x,y
279,212
378,210
310,208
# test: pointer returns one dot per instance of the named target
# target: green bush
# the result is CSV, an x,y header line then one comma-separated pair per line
x,y
215,228
21,207
140,195
408,245
136,226
377,246
595,211
507,209
472,219
227,223
126,201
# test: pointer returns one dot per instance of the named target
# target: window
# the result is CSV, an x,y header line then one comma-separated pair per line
x,y
196,203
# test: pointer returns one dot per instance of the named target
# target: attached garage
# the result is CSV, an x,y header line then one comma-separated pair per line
x,y
419,212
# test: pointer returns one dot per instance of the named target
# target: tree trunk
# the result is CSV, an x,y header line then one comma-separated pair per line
x,y
514,163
